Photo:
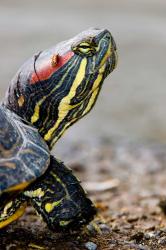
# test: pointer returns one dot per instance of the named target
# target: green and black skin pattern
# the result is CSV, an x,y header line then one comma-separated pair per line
x,y
50,92
72,208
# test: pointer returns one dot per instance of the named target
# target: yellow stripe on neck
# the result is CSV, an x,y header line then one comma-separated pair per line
x,y
93,97
95,90
64,105
19,212
35,116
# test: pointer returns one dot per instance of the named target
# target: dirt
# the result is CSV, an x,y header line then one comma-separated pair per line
x,y
131,214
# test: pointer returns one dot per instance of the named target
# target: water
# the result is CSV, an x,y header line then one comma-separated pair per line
x,y
132,102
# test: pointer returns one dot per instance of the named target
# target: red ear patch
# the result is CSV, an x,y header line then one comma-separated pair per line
x,y
48,67
54,60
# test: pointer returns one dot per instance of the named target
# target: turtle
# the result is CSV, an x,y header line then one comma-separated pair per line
x,y
49,93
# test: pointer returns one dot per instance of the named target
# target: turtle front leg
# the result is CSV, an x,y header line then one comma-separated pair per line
x,y
59,198
12,211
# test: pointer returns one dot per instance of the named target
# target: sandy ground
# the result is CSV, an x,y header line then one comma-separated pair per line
x,y
129,214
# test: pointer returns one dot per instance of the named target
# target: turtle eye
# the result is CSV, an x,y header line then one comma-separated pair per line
x,y
84,48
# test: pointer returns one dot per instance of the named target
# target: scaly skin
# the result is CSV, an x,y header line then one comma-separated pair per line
x,y
57,196
52,91
52,94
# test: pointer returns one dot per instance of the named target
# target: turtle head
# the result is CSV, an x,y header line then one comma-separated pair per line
x,y
58,86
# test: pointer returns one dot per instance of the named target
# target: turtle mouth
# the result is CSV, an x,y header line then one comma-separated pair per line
x,y
110,64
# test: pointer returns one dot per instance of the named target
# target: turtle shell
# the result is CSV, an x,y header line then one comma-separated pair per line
x,y
24,156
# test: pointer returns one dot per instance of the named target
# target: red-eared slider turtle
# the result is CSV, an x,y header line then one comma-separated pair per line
x,y
50,92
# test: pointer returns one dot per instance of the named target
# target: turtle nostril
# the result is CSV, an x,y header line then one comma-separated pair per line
x,y
108,36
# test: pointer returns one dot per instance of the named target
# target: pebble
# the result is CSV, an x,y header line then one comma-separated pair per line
x,y
137,236
105,228
162,241
113,242
116,229
141,247
91,229
163,229
128,226
155,234
133,219
147,236
90,246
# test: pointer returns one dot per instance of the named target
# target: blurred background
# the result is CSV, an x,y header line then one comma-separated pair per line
x,y
133,99
118,148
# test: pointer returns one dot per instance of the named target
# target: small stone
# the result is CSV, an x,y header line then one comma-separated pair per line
x,y
132,219
113,242
90,246
157,233
91,229
105,228
128,226
138,236
149,226
162,241
141,247
151,235
147,236
164,229
115,229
